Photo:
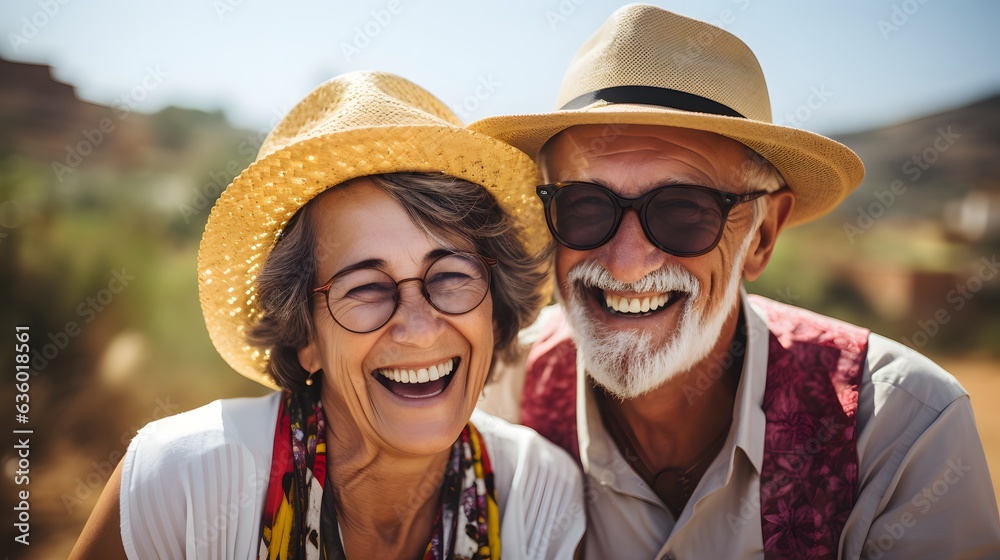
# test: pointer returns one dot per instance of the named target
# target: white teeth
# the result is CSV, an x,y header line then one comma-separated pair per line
x,y
422,375
635,305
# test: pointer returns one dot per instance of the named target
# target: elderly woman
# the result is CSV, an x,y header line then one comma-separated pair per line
x,y
368,266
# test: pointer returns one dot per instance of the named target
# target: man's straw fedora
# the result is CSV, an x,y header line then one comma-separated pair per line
x,y
354,125
649,66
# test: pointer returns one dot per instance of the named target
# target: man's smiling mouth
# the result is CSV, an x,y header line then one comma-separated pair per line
x,y
419,383
641,305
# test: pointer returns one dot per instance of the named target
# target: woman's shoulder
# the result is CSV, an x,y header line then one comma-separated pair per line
x,y
513,443
539,490
524,462
233,434
198,478
245,422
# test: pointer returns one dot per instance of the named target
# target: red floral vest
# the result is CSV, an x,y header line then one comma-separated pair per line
x,y
809,475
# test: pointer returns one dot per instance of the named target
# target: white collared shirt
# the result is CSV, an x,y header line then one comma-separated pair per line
x,y
925,488
194,485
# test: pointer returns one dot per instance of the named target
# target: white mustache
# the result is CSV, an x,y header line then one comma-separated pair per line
x,y
671,278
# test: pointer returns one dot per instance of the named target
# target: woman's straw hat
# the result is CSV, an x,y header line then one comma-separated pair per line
x,y
649,66
357,124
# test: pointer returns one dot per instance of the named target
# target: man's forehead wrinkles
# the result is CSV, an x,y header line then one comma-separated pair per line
x,y
598,144
632,182
646,148
644,169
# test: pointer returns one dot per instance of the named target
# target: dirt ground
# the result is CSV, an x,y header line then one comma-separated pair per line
x,y
982,379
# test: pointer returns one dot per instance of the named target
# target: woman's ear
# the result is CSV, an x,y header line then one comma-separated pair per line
x,y
777,210
309,357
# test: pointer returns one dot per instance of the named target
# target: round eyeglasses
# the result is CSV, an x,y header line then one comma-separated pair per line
x,y
363,299
682,220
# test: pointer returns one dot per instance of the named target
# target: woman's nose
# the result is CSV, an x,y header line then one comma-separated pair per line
x,y
416,322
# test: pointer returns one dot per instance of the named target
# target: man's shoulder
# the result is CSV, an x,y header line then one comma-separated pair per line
x,y
789,322
888,365
896,371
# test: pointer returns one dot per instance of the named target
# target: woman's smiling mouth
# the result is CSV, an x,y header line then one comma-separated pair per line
x,y
419,383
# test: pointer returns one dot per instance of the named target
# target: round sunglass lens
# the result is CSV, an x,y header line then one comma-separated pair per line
x,y
684,220
582,215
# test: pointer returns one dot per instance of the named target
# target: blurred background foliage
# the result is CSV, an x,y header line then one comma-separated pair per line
x,y
920,237
86,211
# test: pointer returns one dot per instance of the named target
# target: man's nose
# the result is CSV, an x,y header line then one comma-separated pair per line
x,y
629,255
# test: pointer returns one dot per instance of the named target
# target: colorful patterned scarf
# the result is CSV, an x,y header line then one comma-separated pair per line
x,y
300,518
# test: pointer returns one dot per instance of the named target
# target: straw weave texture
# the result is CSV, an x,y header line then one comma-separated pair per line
x,y
641,45
355,125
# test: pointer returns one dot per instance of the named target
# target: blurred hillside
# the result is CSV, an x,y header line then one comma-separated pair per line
x,y
912,253
101,211
102,208
969,163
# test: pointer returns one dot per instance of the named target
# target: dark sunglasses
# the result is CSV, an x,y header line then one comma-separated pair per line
x,y
362,300
682,220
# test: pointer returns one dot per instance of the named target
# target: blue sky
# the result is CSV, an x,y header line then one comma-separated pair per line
x,y
254,58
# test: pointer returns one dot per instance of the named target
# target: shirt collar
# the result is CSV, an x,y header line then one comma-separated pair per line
x,y
600,456
748,411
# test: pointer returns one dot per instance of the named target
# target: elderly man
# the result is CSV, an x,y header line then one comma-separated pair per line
x,y
711,424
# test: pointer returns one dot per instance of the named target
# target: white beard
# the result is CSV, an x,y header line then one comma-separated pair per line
x,y
627,363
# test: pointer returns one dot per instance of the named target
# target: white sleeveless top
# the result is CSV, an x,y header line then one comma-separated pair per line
x,y
194,485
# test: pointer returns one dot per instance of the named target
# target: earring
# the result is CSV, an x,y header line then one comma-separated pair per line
x,y
309,380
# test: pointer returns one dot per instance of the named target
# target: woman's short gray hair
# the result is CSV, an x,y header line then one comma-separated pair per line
x,y
450,210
